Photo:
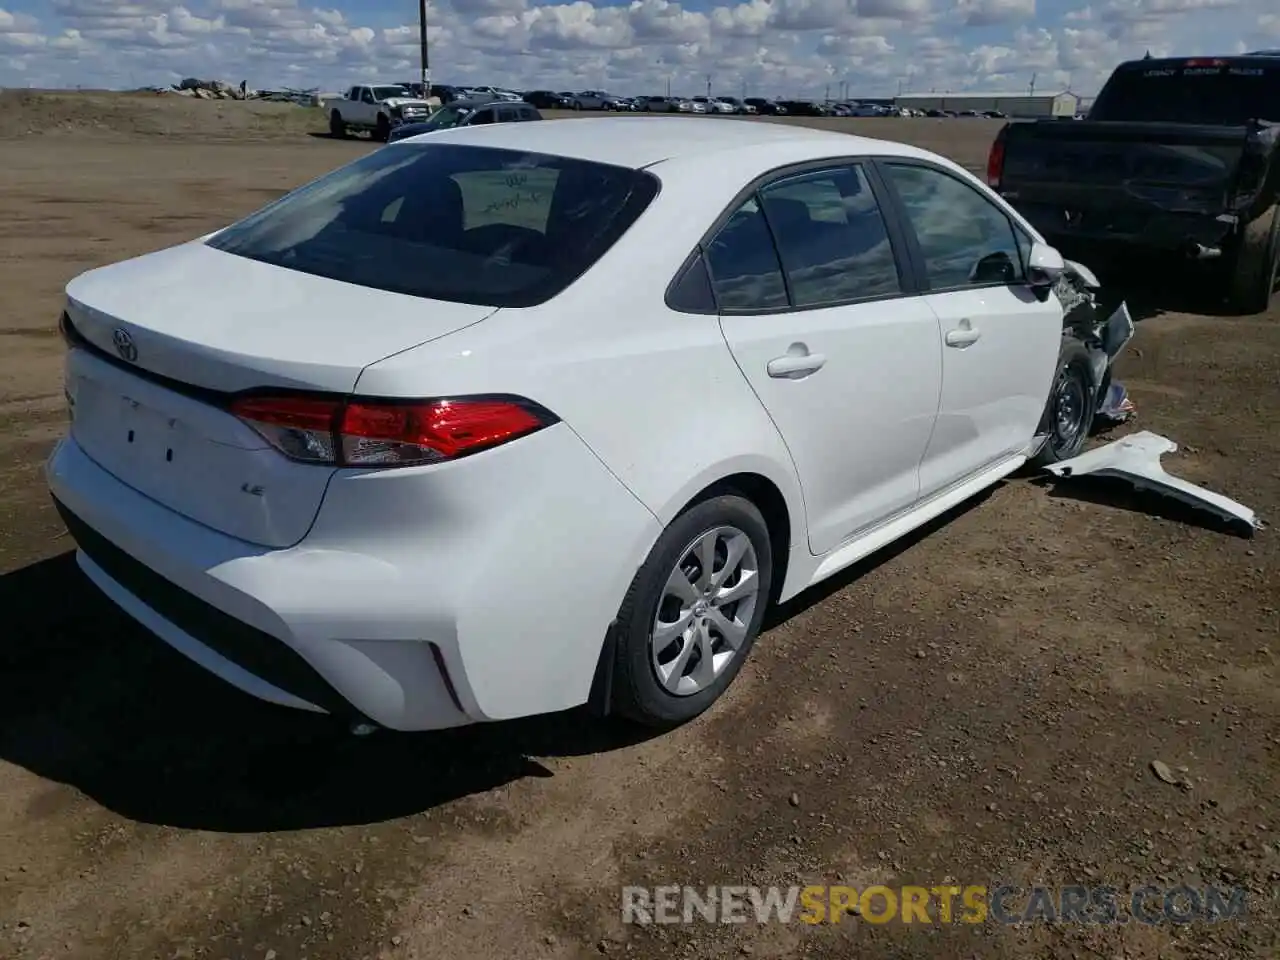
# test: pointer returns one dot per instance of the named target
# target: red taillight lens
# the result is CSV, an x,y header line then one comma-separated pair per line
x,y
367,433
995,163
299,427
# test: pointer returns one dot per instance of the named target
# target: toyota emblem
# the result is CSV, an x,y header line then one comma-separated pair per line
x,y
124,344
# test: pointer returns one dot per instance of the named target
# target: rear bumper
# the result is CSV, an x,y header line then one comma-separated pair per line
x,y
1151,231
427,600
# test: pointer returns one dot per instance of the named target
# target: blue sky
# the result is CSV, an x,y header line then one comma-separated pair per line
x,y
769,47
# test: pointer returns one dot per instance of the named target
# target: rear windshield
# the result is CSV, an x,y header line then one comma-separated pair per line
x,y
449,222
1227,95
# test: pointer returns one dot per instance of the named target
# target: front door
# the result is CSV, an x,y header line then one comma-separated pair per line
x,y
823,326
999,342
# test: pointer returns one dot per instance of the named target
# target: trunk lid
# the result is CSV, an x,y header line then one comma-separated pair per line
x,y
167,336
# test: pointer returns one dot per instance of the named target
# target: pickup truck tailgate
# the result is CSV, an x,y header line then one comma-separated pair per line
x,y
1095,179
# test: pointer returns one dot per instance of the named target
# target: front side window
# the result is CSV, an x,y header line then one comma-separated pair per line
x,y
831,237
966,240
449,222
482,116
744,267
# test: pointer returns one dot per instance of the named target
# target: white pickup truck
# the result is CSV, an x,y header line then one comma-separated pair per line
x,y
377,108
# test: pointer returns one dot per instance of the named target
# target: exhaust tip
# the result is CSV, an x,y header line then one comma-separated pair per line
x,y
1198,251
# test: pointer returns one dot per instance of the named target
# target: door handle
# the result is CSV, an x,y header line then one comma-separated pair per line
x,y
963,336
794,366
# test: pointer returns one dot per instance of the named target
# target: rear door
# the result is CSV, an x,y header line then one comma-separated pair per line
x,y
999,343
826,328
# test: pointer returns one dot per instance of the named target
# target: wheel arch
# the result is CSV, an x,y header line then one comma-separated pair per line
x,y
783,515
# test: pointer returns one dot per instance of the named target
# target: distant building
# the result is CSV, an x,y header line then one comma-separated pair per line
x,y
1012,104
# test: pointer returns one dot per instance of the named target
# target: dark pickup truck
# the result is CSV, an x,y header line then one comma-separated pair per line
x,y
1177,157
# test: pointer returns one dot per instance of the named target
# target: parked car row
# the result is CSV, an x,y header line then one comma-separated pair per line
x,y
381,109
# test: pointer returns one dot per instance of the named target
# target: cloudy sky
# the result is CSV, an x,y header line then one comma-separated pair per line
x,y
767,47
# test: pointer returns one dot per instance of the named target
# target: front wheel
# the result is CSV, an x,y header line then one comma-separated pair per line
x,y
337,129
1073,401
692,612
382,129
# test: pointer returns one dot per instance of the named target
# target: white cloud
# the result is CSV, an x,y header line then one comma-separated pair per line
x,y
770,47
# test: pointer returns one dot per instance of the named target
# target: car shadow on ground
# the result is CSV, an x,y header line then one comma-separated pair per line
x,y
1154,289
89,699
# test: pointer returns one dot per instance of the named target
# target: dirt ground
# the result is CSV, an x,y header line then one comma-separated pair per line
x,y
980,705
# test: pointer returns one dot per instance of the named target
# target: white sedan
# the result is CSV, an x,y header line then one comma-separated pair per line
x,y
511,419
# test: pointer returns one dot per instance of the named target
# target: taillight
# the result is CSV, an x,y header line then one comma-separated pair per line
x,y
995,162
358,432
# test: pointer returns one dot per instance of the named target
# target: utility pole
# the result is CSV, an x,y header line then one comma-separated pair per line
x,y
708,86
826,97
744,89
422,39
1032,91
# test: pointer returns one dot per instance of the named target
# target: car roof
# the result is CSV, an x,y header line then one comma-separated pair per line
x,y
485,102
642,141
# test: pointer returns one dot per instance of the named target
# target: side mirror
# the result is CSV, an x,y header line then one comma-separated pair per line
x,y
1044,266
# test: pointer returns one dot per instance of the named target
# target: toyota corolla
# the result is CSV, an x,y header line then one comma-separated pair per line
x,y
507,420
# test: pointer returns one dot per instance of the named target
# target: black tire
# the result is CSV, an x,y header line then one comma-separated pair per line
x,y
637,692
337,129
1252,280
577,104
1071,406
382,129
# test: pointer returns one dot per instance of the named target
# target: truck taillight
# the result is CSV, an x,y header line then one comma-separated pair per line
x,y
359,432
995,162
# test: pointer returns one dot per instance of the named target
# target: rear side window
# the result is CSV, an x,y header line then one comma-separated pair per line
x,y
1230,93
449,222
831,237
744,267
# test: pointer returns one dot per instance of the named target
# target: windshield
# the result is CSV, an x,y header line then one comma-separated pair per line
x,y
449,222
447,117
1229,94
386,93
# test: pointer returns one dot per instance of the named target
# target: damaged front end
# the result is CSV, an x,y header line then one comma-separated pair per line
x,y
1104,331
